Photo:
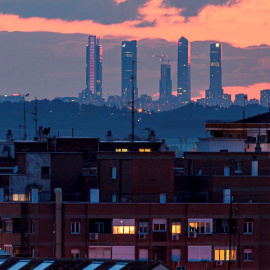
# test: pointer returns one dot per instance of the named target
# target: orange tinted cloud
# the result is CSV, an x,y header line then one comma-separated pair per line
x,y
242,24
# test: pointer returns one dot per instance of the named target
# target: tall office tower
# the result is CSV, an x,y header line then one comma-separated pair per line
x,y
165,83
94,67
265,97
183,71
129,69
215,92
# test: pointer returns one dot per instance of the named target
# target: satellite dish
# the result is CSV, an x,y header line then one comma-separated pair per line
x,y
15,169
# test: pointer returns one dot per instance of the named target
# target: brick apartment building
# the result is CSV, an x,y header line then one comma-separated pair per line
x,y
84,198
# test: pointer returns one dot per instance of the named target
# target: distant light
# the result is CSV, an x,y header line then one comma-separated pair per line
x,y
217,44
140,110
15,94
124,45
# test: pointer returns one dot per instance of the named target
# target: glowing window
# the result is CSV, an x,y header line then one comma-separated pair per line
x,y
223,254
202,226
145,150
123,229
19,197
176,227
121,150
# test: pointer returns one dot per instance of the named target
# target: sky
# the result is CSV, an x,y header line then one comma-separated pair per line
x,y
43,43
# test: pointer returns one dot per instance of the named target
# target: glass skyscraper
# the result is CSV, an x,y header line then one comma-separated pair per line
x,y
183,71
129,69
165,83
214,94
94,67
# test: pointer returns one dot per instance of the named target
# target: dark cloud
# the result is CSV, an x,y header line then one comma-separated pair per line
x,y
193,7
51,64
102,11
146,24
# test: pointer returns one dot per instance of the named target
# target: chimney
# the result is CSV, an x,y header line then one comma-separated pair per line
x,y
9,136
109,136
152,136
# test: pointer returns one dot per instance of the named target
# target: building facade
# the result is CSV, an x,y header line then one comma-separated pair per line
x,y
165,83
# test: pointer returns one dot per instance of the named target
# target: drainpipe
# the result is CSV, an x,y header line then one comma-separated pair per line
x,y
58,223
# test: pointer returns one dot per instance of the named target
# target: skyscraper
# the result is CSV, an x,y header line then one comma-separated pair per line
x,y
165,83
183,70
94,67
129,69
214,94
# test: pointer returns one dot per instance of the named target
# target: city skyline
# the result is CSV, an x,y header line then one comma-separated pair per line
x,y
45,42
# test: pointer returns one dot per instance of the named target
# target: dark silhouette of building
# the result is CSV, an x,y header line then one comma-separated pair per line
x,y
265,97
129,69
183,71
94,67
214,94
165,83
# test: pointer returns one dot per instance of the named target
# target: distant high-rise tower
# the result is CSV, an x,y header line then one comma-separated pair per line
x,y
165,83
129,62
214,94
183,70
94,67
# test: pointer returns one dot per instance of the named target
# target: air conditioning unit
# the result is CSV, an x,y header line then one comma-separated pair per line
x,y
176,263
192,234
142,236
219,262
175,237
181,267
93,236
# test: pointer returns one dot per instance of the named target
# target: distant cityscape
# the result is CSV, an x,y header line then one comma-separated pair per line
x,y
93,93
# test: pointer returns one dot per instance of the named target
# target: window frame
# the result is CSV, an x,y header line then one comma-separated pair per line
x,y
176,223
198,225
247,228
145,228
76,229
249,253
159,222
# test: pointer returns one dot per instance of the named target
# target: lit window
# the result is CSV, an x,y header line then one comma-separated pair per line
x,y
159,225
19,197
75,227
75,253
202,226
143,227
123,226
123,229
223,254
145,150
121,150
248,227
248,256
176,227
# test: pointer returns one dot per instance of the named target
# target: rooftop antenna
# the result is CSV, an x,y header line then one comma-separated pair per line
x,y
24,115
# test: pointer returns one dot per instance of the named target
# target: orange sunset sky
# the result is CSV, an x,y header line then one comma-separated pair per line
x,y
243,25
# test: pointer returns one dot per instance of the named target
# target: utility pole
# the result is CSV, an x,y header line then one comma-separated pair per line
x,y
35,115
230,235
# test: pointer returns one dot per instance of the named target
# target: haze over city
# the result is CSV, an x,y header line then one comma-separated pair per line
x,y
43,45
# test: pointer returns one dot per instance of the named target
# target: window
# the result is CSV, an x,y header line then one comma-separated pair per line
x,y
99,227
45,172
32,226
248,227
8,225
100,252
176,227
202,226
19,197
145,150
75,254
113,172
238,167
223,254
238,135
230,135
143,254
124,226
248,255
176,255
159,225
75,227
8,249
199,253
121,150
143,227
123,252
